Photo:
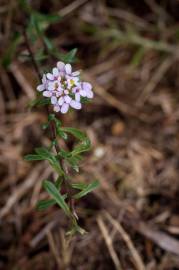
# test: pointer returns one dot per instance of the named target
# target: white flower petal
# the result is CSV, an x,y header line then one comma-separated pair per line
x,y
55,72
76,73
58,93
47,93
53,100
66,92
89,94
40,87
51,86
50,76
83,93
68,68
67,99
44,79
60,66
61,101
86,86
64,108
76,105
56,108
77,97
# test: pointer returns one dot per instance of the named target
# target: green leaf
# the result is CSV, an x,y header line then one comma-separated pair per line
x,y
11,50
80,186
73,161
62,134
44,204
54,193
32,157
59,182
70,56
43,152
83,147
75,132
87,189
137,57
41,101
64,154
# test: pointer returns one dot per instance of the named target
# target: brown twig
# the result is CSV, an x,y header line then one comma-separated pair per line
x,y
109,244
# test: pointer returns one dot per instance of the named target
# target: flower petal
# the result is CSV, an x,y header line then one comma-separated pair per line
x,y
76,105
86,86
83,93
68,68
56,108
66,92
60,66
64,108
44,79
89,94
40,87
77,97
50,76
55,72
61,101
53,100
67,99
47,93
51,86
76,73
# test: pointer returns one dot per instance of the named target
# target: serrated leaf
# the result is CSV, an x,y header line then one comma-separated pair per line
x,y
87,189
54,193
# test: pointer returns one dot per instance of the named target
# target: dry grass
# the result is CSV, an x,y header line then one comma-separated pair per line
x,y
129,51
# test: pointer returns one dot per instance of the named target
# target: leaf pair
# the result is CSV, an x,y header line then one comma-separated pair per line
x,y
56,198
84,145
85,189
43,153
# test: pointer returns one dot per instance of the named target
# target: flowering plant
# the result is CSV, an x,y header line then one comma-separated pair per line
x,y
63,89
59,90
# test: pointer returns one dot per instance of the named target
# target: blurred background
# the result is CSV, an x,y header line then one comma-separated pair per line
x,y
129,51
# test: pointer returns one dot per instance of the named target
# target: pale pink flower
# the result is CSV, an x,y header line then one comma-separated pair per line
x,y
64,88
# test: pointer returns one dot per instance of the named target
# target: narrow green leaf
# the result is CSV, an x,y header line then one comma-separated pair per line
x,y
83,147
54,193
70,56
62,134
44,204
75,132
32,157
10,51
86,190
41,101
80,186
59,182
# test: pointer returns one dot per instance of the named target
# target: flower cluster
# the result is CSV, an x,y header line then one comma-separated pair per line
x,y
64,88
